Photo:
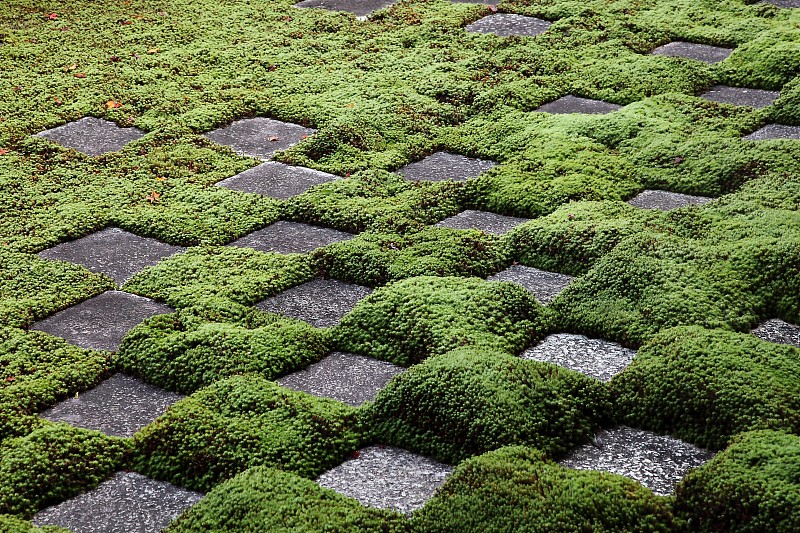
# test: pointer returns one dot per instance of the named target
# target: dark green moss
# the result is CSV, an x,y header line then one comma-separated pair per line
x,y
11,524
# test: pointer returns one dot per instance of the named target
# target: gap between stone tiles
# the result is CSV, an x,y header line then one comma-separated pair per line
x,y
544,285
92,136
508,24
320,302
665,200
286,237
259,137
598,358
699,52
778,331
443,166
483,221
276,180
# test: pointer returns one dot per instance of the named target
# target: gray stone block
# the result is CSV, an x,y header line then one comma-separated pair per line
x,y
544,285
92,136
276,180
665,200
442,166
776,330
259,137
598,358
286,237
699,52
508,24
774,131
360,8
755,98
482,220
573,104
320,302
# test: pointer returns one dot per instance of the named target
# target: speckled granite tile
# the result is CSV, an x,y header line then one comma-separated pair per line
x,y
544,285
92,136
320,302
276,180
598,358
699,52
778,331
665,200
360,8
574,104
740,96
286,237
259,137
442,166
482,220
508,24
774,131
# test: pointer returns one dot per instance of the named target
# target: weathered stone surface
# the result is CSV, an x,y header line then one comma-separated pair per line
x,y
443,166
92,136
286,237
360,8
320,302
507,24
776,330
574,104
598,358
755,98
665,200
259,137
544,285
788,4
774,131
276,180
482,220
699,52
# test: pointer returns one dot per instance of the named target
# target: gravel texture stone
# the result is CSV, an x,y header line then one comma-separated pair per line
x,y
665,200
360,8
699,52
755,98
320,302
776,330
507,24
126,503
774,131
598,358
276,180
482,220
114,252
783,3
286,237
387,477
443,166
658,462
544,285
574,104
349,378
101,322
92,136
259,137
119,406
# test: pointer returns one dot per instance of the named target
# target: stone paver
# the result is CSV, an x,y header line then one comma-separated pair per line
x,y
119,406
755,98
286,237
276,180
92,136
114,252
349,378
574,104
126,503
320,302
774,131
482,220
776,330
658,462
484,2
665,200
101,322
544,285
788,4
360,8
507,24
442,166
259,137
598,358
386,477
699,52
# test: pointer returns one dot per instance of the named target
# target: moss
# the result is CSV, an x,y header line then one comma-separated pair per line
x,y
11,524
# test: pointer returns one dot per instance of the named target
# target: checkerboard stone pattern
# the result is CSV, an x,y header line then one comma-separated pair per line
x,y
349,378
360,8
92,136
665,200
259,137
658,462
286,237
128,502
387,477
774,131
443,166
699,52
755,98
572,104
508,24
482,220
276,180
544,285
119,406
598,358
320,302
778,331
101,322
114,252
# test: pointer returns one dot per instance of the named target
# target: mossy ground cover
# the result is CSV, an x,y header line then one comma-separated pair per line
x,y
684,286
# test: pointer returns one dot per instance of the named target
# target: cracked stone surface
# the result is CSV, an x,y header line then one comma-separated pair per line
x,y
259,137
349,378
119,406
360,8
442,166
128,502
574,104
387,477
276,180
544,285
774,131
101,322
286,237
114,252
92,136
755,98
699,52
320,302
506,24
656,461
482,220
598,358
776,330
665,200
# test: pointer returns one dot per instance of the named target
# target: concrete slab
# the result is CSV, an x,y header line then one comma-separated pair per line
x,y
508,24
276,180
573,104
755,98
544,285
665,200
443,166
320,302
259,137
482,220
699,52
360,8
92,136
774,131
598,358
286,237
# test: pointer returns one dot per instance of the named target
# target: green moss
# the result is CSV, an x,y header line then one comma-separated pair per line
x,y
11,524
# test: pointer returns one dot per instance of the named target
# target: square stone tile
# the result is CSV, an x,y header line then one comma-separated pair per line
x,y
544,285
597,358
119,406
755,98
665,200
101,322
484,2
442,166
658,462
320,302
349,378
788,4
776,330
113,252
128,502
507,24
259,137
774,131
92,136
389,478
482,220
699,52
574,104
286,237
360,8
276,180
